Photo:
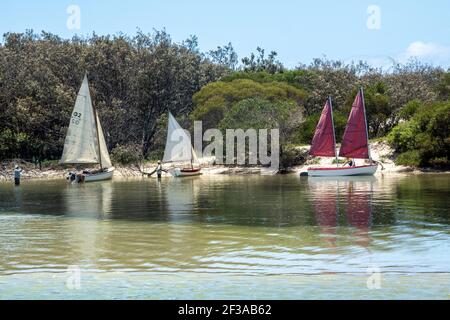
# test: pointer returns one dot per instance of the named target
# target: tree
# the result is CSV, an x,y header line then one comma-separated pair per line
x,y
225,56
133,81
443,86
259,62
214,100
424,139
258,113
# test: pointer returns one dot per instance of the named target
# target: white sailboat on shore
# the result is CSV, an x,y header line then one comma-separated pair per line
x,y
179,149
85,143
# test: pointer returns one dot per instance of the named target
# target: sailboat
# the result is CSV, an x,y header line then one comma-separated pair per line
x,y
355,142
85,142
179,149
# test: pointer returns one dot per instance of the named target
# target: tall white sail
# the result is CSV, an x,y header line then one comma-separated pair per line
x,y
81,145
106,161
178,143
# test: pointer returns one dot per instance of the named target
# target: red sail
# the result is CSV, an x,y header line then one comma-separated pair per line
x,y
323,143
354,143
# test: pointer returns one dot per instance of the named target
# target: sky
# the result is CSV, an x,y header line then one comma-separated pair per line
x,y
377,31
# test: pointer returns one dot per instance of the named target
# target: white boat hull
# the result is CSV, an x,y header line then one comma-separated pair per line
x,y
185,173
106,175
343,171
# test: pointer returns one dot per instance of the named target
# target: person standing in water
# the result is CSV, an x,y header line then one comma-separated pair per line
x,y
159,169
17,174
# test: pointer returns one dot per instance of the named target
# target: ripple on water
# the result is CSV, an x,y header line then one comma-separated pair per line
x,y
231,226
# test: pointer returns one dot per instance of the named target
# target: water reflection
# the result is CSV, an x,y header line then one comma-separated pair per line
x,y
245,225
181,196
351,195
88,200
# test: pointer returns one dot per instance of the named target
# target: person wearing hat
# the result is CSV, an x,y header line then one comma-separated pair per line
x,y
17,174
159,169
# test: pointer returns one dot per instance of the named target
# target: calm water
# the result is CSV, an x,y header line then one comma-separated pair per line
x,y
212,237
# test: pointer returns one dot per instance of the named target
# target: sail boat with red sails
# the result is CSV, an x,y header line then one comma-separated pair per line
x,y
355,142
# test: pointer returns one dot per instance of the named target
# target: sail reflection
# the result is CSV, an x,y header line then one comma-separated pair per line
x,y
326,208
359,211
89,200
353,195
181,197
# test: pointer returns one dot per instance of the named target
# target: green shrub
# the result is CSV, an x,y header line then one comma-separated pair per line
x,y
409,158
155,155
424,140
409,109
292,156
402,136
129,154
441,162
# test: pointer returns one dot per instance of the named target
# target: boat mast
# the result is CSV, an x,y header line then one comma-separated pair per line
x,y
96,130
367,126
334,133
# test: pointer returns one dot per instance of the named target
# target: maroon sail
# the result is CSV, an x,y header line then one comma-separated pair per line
x,y
354,142
323,143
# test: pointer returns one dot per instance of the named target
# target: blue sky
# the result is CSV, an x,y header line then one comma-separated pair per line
x,y
298,30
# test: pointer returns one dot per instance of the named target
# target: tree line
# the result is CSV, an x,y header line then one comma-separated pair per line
x,y
136,80
133,81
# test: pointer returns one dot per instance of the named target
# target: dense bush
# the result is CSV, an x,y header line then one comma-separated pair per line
x,y
214,100
292,156
424,140
258,113
129,154
133,80
409,158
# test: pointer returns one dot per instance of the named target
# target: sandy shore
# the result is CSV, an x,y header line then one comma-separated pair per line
x,y
30,173
380,152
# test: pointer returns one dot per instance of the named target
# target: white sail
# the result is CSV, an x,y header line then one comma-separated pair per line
x,y
178,143
81,144
106,161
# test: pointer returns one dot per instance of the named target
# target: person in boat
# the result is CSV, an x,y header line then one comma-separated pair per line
x,y
17,175
75,177
350,163
159,170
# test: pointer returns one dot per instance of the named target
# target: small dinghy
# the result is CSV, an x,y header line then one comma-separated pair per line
x,y
355,142
179,149
85,142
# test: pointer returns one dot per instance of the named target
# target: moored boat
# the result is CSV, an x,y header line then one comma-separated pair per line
x,y
85,143
179,149
355,142
186,172
343,171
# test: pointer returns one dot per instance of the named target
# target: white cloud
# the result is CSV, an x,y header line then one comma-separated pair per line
x,y
429,52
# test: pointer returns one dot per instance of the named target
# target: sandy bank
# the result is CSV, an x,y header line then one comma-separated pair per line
x,y
380,151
